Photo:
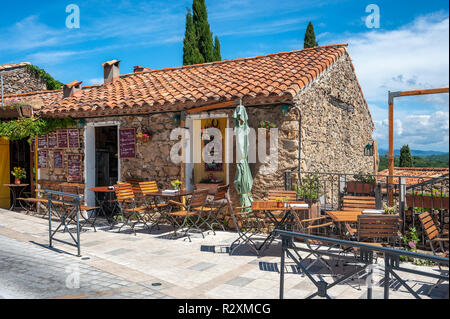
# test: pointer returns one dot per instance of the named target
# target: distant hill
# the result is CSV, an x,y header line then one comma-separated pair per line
x,y
382,152
439,160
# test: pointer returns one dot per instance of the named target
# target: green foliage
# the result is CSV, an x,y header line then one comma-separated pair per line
x,y
410,240
310,37
267,125
26,127
216,54
191,53
438,161
309,189
202,29
405,157
364,178
52,84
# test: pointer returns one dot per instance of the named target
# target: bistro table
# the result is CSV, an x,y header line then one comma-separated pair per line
x,y
16,192
108,204
268,210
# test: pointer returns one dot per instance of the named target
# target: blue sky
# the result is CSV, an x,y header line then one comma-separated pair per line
x,y
410,49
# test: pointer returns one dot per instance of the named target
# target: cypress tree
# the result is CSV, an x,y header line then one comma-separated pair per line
x,y
203,33
191,54
405,157
216,54
310,37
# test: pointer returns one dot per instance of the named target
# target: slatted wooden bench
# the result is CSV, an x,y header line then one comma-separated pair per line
x,y
273,194
358,203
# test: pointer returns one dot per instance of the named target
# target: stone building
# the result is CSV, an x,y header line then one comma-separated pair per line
x,y
311,96
17,78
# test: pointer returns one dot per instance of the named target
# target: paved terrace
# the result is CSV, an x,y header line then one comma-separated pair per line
x,y
121,265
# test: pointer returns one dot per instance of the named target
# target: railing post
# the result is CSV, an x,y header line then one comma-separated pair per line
x,y
402,200
50,219
77,211
378,197
283,254
387,270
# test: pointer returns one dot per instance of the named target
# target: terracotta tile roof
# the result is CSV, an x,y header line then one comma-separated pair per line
x,y
13,65
418,174
35,99
279,76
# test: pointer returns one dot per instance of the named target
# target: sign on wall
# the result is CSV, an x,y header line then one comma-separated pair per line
x,y
62,136
58,159
74,167
42,159
127,143
42,141
52,140
74,138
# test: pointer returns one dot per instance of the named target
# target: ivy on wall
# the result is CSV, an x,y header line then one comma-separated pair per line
x,y
52,84
26,127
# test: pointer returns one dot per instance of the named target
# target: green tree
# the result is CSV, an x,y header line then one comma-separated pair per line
x,y
202,29
406,159
191,53
216,54
310,37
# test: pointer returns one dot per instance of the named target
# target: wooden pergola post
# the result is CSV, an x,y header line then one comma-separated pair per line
x,y
391,97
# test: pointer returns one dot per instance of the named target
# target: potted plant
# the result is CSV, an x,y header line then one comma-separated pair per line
x,y
309,191
363,184
145,136
433,200
267,125
389,210
410,240
281,202
19,173
176,184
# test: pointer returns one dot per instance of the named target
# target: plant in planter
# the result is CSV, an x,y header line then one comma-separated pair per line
x,y
309,191
281,201
410,240
435,199
19,173
389,210
144,136
267,125
363,184
176,184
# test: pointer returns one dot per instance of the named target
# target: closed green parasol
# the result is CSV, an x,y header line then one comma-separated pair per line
x,y
243,181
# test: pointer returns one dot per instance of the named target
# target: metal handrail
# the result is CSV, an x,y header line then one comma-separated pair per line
x,y
391,262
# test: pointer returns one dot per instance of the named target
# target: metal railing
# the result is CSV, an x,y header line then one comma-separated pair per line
x,y
365,258
66,206
424,194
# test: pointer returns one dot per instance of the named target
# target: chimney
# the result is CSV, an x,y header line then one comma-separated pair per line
x,y
111,71
71,88
141,69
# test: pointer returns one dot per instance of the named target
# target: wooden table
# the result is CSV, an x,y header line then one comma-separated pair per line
x,y
108,205
16,191
344,216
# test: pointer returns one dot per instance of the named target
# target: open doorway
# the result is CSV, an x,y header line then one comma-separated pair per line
x,y
20,157
106,156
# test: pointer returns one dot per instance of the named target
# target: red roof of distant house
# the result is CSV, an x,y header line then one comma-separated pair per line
x,y
416,175
275,77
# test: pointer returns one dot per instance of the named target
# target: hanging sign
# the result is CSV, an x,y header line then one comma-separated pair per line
x,y
127,143
52,140
58,159
62,138
42,141
74,167
74,138
42,159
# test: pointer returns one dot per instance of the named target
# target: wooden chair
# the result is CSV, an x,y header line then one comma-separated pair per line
x,y
273,194
189,216
78,189
42,198
128,208
372,228
156,210
214,207
358,203
246,226
432,234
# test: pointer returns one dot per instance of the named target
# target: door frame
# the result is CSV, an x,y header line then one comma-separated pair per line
x,y
89,157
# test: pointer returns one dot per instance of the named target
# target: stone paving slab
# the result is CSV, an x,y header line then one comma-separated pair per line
x,y
122,265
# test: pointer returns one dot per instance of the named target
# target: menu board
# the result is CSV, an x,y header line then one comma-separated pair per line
x,y
58,159
74,167
42,159
62,138
74,138
52,140
42,141
127,143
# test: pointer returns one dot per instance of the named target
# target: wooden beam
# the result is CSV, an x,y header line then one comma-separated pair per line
x,y
423,92
211,107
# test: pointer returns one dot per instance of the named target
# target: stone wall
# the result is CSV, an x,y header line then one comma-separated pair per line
x,y
22,80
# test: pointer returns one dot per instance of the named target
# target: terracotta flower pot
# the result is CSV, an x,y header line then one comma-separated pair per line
x,y
17,181
427,201
279,204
